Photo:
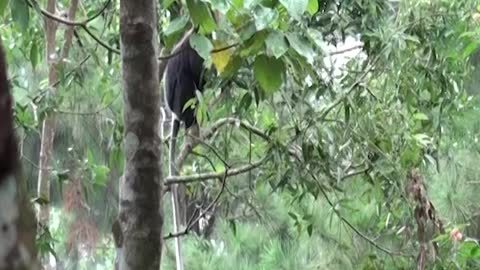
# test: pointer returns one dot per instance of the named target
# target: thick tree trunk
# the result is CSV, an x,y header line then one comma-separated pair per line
x,y
17,222
137,231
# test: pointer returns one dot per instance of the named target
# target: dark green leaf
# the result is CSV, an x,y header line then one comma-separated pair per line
x,y
20,14
3,5
34,55
269,73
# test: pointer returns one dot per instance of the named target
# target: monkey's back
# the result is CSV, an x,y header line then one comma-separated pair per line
x,y
182,78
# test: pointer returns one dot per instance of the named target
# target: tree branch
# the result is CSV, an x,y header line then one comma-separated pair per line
x,y
206,176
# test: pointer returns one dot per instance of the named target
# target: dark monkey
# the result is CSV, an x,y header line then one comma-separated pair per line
x,y
183,77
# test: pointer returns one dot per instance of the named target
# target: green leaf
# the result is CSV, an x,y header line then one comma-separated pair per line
x,y
471,48
34,55
233,65
202,45
295,8
101,175
420,116
310,229
276,44
233,226
254,44
268,72
312,7
264,17
20,14
201,16
176,25
299,44
167,3
3,5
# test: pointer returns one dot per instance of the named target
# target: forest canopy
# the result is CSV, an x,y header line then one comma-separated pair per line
x,y
331,134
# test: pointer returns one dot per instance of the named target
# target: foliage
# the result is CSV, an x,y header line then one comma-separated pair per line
x,y
352,95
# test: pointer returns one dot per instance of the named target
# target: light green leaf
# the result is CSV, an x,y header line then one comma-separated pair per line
x,y
300,45
264,17
201,16
3,5
176,25
420,116
312,7
295,8
167,3
276,44
34,55
202,45
269,72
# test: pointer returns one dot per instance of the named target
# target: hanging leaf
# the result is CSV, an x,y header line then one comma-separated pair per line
x,y
312,7
233,65
20,14
269,73
300,45
3,5
264,17
202,45
34,55
276,44
201,16
176,25
222,58
295,8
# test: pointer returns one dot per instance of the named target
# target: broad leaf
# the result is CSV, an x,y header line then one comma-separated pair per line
x,y
201,16
276,44
269,73
202,45
295,8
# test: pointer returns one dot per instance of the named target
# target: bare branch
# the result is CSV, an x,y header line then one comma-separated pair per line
x,y
68,22
81,24
192,222
206,176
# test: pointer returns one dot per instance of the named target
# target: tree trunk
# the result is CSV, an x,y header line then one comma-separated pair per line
x,y
48,126
137,231
17,222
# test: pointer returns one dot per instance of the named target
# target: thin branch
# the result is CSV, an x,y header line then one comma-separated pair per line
x,y
81,24
89,113
206,176
68,22
210,206
348,223
360,46
351,88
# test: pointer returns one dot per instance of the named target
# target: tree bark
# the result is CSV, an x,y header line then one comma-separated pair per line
x,y
17,222
137,230
48,125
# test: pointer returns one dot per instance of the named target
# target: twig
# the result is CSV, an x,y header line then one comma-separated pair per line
x,y
81,24
210,206
206,176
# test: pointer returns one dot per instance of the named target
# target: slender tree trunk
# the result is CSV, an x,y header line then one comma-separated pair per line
x,y
17,234
137,231
48,126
